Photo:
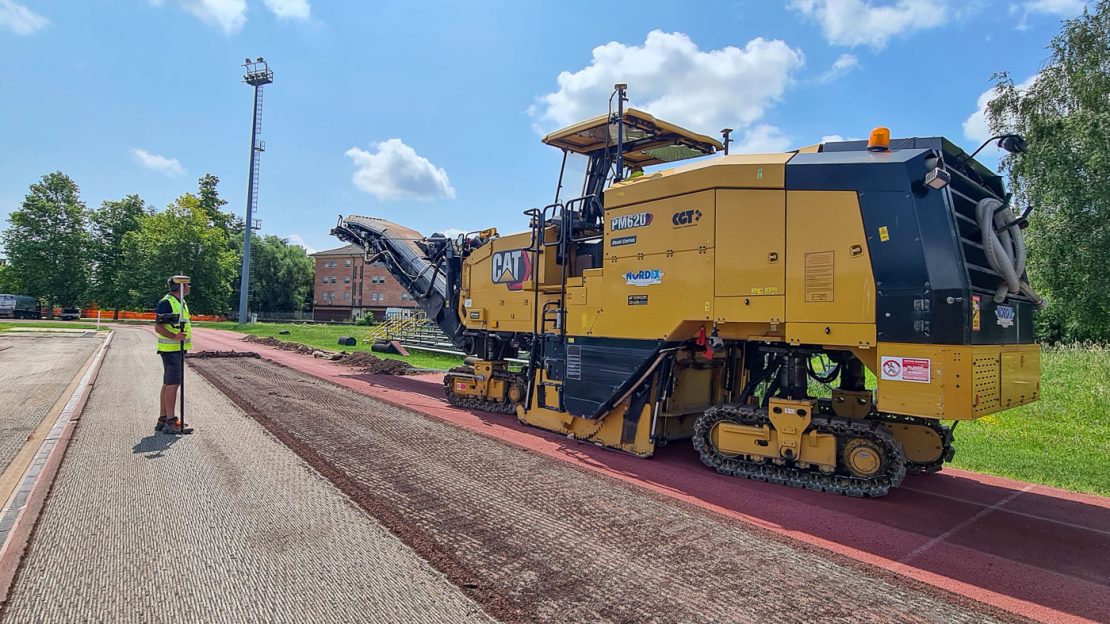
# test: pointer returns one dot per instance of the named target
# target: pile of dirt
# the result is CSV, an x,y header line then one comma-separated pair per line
x,y
204,355
362,360
270,341
375,365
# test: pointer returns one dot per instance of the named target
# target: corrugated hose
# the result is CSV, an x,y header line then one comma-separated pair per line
x,y
1004,245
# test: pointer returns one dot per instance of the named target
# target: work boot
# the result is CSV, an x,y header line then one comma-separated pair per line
x,y
161,424
173,427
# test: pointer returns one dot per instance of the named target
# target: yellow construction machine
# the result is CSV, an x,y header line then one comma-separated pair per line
x,y
806,318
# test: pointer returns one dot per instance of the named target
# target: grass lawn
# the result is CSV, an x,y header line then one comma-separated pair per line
x,y
327,337
6,325
1061,440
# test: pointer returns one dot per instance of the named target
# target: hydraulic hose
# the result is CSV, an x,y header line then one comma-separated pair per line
x,y
1004,246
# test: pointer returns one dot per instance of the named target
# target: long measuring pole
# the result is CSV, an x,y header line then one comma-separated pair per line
x,y
181,292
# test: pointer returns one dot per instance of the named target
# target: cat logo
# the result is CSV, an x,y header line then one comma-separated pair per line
x,y
512,268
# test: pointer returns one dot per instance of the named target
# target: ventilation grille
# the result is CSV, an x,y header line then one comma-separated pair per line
x,y
985,370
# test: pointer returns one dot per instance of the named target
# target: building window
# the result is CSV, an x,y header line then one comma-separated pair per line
x,y
347,262
405,297
346,279
346,296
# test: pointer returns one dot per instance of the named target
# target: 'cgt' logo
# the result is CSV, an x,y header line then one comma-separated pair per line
x,y
684,218
512,268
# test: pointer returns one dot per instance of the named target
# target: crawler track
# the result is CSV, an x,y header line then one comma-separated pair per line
x,y
496,407
837,483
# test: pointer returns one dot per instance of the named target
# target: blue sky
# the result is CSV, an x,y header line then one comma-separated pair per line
x,y
430,113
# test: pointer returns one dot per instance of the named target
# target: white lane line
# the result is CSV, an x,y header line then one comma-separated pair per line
x,y
966,523
1012,511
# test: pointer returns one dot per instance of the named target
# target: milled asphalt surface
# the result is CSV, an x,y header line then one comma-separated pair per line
x,y
226,525
540,541
34,371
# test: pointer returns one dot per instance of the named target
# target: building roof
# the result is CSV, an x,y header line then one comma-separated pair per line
x,y
346,250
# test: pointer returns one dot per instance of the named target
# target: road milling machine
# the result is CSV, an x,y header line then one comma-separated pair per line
x,y
806,318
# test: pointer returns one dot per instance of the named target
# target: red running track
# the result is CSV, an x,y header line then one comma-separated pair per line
x,y
1032,550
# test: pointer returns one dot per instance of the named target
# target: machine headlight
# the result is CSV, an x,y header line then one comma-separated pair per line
x,y
937,178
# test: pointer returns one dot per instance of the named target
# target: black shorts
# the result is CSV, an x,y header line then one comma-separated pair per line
x,y
171,367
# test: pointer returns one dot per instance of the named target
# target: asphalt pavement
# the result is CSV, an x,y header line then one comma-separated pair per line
x,y
34,371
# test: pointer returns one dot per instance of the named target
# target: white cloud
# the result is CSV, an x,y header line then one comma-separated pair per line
x,y
1059,8
19,19
844,65
296,239
862,22
976,126
157,162
1066,8
230,15
761,139
289,9
395,171
452,233
671,78
836,138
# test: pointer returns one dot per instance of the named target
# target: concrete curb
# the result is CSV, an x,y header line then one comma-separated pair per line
x,y
21,511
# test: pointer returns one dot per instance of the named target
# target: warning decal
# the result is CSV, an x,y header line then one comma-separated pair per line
x,y
906,369
819,276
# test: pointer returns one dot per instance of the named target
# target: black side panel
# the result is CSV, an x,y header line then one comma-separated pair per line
x,y
1009,323
597,369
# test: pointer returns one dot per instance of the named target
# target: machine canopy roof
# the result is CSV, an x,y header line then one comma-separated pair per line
x,y
647,140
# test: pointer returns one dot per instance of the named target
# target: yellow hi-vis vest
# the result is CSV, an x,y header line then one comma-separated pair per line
x,y
182,310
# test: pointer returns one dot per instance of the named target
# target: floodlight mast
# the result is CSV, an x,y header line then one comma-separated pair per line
x,y
257,75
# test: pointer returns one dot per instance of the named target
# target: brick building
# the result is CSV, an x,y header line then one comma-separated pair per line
x,y
347,288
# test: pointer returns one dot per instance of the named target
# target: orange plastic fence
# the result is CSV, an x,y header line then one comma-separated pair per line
x,y
127,315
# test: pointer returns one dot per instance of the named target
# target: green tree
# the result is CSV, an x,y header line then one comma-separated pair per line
x,y
47,244
1065,174
212,204
181,239
7,283
112,278
281,275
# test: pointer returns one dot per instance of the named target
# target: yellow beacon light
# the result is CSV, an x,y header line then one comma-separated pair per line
x,y
879,140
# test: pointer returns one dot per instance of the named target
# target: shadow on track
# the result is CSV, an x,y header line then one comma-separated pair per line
x,y
154,446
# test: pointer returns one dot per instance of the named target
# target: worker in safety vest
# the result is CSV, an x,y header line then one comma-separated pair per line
x,y
171,339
